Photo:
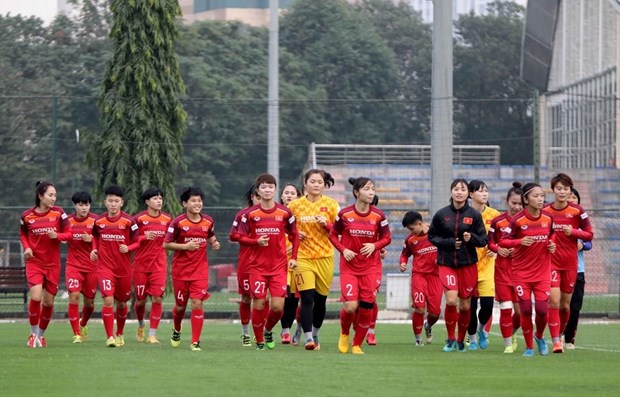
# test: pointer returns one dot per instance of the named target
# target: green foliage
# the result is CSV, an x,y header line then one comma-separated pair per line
x,y
493,105
142,115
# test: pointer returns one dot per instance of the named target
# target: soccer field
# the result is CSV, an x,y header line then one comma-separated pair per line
x,y
224,368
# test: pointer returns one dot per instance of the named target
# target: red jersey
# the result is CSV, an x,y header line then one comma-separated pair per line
x,y
276,223
565,256
355,229
150,256
190,265
424,254
245,251
503,264
531,263
79,250
109,234
33,231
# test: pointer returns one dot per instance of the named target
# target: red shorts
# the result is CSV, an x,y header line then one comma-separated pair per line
x,y
462,279
243,283
274,283
505,293
149,284
79,281
564,280
184,290
541,289
111,285
362,288
426,291
49,277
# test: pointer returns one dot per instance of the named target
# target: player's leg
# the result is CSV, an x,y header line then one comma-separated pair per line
x,y
541,296
181,298
122,295
89,289
449,281
277,289
419,290
288,316
323,275
567,287
368,285
473,324
50,289
349,289
258,289
140,282
554,306
73,281
484,315
156,286
575,307
467,279
245,307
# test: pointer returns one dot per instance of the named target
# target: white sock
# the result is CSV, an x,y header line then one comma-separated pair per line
x,y
34,329
245,329
315,331
508,341
152,331
308,335
473,338
286,330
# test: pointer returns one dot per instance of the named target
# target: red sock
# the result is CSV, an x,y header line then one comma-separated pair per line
x,y
346,319
73,312
298,314
177,317
527,327
417,323
541,323
245,312
107,314
516,321
87,311
46,316
258,324
356,316
34,312
564,315
375,314
272,319
450,315
139,311
505,322
121,317
198,319
156,310
361,328
463,318
487,326
554,323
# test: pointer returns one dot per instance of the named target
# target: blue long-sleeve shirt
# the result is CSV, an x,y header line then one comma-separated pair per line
x,y
581,266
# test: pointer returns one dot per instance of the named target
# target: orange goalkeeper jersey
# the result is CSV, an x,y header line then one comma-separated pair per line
x,y
316,244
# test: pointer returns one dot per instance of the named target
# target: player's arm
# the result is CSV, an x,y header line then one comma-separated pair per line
x,y
293,235
334,236
134,237
404,257
509,238
385,235
434,237
479,237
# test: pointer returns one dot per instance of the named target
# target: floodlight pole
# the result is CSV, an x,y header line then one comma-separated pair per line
x,y
273,114
441,105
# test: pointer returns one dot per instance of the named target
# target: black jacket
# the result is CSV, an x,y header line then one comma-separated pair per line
x,y
449,224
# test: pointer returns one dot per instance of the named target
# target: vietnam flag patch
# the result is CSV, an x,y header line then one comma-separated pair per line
x,y
323,209
468,221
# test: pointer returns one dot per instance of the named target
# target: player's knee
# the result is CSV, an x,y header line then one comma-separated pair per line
x,y
307,297
419,310
505,305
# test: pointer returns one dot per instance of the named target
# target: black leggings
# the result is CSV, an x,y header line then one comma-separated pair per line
x,y
575,307
486,311
290,309
313,308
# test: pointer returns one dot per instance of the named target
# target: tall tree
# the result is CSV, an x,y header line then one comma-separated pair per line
x,y
142,115
410,40
493,105
351,62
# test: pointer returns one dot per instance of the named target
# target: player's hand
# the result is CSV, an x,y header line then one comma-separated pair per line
x,y
348,254
292,264
504,252
192,245
567,229
93,255
149,235
87,238
382,253
263,240
580,245
403,267
458,243
123,248
368,249
215,245
551,246
466,236
527,241
52,234
490,254
28,254
302,235
321,220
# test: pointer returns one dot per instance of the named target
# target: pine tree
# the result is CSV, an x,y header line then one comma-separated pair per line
x,y
143,119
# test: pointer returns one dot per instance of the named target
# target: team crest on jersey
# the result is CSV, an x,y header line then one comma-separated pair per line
x,y
163,222
121,226
544,224
373,222
102,226
523,227
185,228
31,221
351,220
145,222
569,216
256,218
279,218
204,228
